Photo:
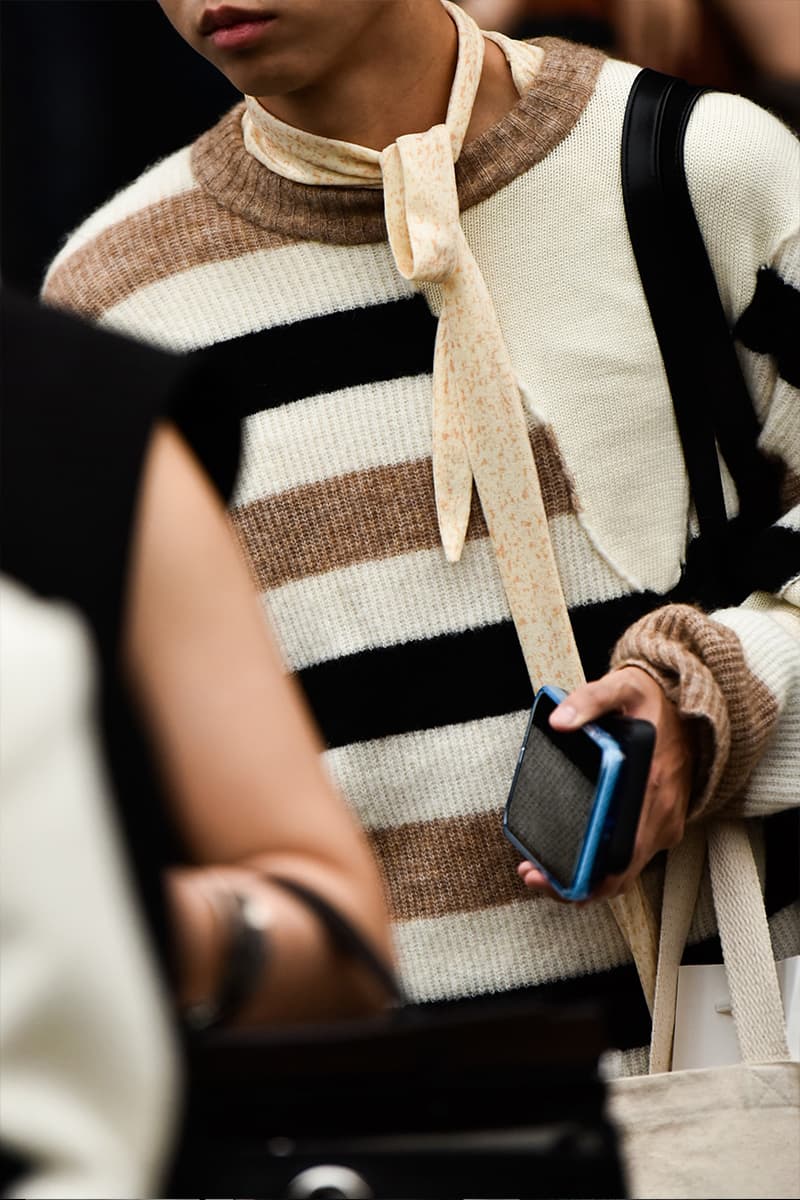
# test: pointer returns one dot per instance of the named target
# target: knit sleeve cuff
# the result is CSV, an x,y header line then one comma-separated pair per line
x,y
700,665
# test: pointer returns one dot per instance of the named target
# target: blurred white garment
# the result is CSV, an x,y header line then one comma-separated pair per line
x,y
89,1070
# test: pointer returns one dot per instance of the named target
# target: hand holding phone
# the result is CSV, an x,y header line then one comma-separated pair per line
x,y
575,799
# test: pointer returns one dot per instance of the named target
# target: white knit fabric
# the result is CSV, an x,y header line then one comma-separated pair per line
x,y
89,1067
552,246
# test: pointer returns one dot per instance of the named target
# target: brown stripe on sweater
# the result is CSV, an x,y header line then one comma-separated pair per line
x,y
184,231
543,117
545,114
366,516
558,488
452,865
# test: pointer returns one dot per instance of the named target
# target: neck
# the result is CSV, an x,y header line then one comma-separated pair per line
x,y
354,104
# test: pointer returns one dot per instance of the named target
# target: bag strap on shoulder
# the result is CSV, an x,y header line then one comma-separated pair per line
x,y
710,397
713,409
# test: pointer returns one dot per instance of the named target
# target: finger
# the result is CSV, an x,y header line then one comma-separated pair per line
x,y
531,876
615,691
534,879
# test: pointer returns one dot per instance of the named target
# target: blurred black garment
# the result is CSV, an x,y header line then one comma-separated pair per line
x,y
79,407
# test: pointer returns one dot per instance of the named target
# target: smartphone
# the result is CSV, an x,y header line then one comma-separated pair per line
x,y
575,799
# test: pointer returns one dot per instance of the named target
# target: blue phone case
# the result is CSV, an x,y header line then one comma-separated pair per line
x,y
611,762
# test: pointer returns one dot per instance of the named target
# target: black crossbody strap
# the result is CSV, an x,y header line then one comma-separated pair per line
x,y
710,397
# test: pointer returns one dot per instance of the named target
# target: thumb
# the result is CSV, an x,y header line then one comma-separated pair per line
x,y
612,692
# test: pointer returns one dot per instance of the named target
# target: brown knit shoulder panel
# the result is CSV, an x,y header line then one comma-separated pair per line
x,y
173,235
541,119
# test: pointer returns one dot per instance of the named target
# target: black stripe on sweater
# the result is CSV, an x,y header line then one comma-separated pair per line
x,y
742,560
418,685
323,354
480,673
453,678
782,849
776,559
770,323
616,991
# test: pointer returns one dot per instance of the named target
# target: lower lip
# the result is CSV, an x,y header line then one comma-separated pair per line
x,y
234,37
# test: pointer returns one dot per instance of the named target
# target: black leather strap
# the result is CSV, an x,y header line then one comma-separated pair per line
x,y
347,939
709,393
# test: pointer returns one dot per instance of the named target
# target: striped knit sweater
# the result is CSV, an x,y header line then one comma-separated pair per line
x,y
411,664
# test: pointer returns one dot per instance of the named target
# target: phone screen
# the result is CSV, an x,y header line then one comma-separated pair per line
x,y
553,793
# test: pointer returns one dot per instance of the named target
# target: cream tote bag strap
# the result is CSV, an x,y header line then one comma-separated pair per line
x,y
746,945
727,1131
681,882
744,934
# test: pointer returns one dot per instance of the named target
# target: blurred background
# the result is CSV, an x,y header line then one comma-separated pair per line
x,y
93,91
747,46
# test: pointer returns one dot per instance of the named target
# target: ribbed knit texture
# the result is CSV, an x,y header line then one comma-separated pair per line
x,y
411,664
700,664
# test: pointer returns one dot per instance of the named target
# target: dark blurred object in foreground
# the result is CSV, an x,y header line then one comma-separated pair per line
x,y
487,1098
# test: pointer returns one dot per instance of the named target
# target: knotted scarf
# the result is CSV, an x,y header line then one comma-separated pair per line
x,y
479,426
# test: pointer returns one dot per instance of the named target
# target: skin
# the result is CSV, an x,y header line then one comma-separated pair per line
x,y
658,33
239,756
501,15
323,67
770,29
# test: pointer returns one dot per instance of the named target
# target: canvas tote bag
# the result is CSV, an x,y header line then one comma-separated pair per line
x,y
729,1131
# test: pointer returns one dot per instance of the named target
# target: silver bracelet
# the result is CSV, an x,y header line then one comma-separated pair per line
x,y
245,957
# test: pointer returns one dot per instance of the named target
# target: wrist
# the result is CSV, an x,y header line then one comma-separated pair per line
x,y
687,653
199,936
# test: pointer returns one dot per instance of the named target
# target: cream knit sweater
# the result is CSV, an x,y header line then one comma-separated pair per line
x,y
411,664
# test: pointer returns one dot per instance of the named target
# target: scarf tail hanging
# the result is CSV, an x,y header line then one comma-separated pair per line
x,y
479,426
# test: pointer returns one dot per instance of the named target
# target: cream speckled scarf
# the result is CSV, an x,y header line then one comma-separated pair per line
x,y
479,427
